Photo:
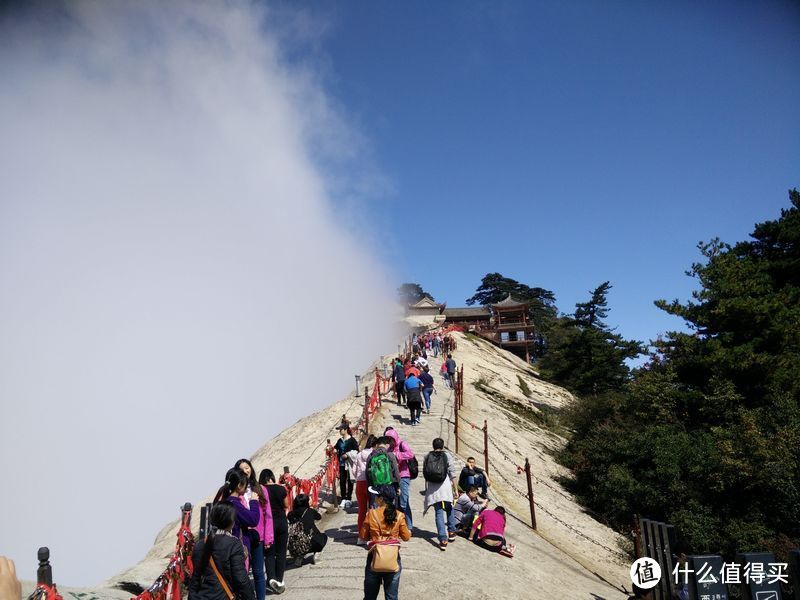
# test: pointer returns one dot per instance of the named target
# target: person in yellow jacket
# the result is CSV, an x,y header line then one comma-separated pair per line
x,y
384,526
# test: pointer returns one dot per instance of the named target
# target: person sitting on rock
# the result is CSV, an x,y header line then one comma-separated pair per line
x,y
472,475
305,515
489,529
467,507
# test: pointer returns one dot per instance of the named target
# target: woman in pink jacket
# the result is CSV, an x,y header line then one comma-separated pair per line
x,y
403,453
489,529
261,536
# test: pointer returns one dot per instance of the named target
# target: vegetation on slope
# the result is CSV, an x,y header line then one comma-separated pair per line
x,y
707,434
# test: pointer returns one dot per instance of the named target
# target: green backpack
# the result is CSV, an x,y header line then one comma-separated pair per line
x,y
380,470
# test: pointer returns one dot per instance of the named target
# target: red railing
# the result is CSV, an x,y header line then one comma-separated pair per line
x,y
179,569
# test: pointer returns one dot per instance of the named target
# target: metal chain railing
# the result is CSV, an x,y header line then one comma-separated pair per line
x,y
519,468
498,450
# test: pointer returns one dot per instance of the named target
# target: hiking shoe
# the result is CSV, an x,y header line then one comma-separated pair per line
x,y
508,550
442,546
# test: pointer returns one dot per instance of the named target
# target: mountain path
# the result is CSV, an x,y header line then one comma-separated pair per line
x,y
427,571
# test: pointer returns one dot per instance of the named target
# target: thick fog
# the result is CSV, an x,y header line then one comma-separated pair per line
x,y
176,282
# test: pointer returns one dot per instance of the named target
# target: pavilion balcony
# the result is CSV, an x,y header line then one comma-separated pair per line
x,y
498,338
514,325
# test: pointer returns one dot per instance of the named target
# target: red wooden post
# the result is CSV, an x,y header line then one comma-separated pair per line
x,y
455,412
366,409
461,386
637,543
456,389
530,493
486,446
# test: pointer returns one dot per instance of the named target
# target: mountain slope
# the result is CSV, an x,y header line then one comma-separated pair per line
x,y
570,556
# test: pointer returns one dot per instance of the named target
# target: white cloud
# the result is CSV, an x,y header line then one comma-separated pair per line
x,y
175,287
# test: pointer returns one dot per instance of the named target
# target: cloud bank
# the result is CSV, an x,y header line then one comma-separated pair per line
x,y
175,283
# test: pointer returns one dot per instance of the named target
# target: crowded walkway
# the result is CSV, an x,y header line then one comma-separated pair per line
x,y
432,562
340,570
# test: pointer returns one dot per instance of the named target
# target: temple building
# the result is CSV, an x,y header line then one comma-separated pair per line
x,y
470,317
506,323
511,327
425,313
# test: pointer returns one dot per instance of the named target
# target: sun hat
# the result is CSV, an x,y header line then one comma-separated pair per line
x,y
386,492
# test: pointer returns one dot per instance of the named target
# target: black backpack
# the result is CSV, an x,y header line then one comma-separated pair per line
x,y
435,467
413,467
413,464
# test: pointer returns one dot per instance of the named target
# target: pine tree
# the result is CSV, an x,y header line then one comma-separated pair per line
x,y
707,436
495,288
583,354
411,293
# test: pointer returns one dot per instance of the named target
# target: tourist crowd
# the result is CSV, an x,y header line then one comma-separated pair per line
x,y
254,527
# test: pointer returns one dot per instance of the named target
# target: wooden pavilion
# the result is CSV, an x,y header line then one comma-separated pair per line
x,y
512,328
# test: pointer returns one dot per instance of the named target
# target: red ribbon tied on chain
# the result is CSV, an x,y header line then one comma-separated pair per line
x,y
178,570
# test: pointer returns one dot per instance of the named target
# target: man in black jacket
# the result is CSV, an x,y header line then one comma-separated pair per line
x,y
399,379
472,475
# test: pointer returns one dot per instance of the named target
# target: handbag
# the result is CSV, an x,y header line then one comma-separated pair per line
x,y
385,556
385,553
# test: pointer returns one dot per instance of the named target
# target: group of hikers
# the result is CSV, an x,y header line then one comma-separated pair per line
x,y
384,469
434,343
253,527
414,384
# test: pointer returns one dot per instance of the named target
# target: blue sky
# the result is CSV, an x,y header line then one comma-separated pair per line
x,y
566,143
